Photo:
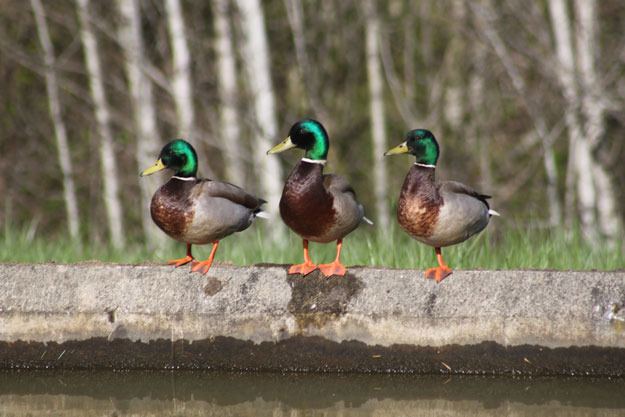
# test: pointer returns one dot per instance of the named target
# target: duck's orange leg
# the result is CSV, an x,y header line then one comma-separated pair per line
x,y
206,265
305,268
182,261
336,267
440,272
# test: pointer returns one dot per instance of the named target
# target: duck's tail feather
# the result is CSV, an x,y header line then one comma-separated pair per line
x,y
366,220
492,212
262,214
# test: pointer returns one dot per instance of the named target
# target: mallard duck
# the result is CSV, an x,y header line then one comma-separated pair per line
x,y
321,208
197,211
437,214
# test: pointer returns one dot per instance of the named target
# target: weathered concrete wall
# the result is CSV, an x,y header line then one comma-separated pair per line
x,y
258,317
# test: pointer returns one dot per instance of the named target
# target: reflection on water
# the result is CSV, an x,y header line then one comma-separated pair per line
x,y
210,394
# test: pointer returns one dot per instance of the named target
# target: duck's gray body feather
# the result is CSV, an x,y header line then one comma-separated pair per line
x,y
205,210
440,214
461,215
349,212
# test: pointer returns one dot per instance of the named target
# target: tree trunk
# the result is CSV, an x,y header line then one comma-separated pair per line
x,y
148,140
578,144
52,88
376,114
256,62
409,56
108,162
295,14
478,136
424,26
229,119
454,99
593,108
181,80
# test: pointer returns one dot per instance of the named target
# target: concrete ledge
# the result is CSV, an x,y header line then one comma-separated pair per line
x,y
374,320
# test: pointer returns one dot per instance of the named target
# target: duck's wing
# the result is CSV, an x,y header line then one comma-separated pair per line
x,y
337,184
350,211
222,189
459,188
463,213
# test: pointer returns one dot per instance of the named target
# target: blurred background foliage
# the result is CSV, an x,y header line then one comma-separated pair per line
x,y
489,78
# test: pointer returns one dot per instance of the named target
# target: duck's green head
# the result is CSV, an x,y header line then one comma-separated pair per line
x,y
422,144
177,155
307,134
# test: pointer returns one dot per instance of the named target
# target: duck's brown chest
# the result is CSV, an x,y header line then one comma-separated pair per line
x,y
171,209
419,203
306,207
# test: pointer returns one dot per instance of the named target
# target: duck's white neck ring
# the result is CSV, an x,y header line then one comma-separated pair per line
x,y
315,161
425,165
184,178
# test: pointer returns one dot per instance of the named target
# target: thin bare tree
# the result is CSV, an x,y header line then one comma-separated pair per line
x,y
409,56
181,77
593,108
108,163
579,147
229,119
60,132
425,27
376,113
454,105
295,15
144,112
182,80
255,52
477,133
483,18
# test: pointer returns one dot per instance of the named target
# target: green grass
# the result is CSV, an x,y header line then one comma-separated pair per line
x,y
506,247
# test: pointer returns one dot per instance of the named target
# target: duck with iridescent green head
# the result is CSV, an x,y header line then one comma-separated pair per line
x,y
319,208
197,211
438,214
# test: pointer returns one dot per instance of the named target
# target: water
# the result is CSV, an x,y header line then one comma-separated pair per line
x,y
111,394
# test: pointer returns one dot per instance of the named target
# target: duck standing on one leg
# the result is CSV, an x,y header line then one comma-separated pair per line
x,y
437,214
194,210
318,207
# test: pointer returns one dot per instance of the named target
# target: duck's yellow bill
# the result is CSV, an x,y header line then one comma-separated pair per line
x,y
158,166
401,148
286,144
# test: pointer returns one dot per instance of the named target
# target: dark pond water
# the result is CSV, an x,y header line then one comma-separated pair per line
x,y
209,394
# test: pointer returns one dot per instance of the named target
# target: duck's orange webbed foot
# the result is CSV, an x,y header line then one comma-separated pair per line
x,y
182,261
442,271
304,268
203,265
334,268
206,265
438,273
